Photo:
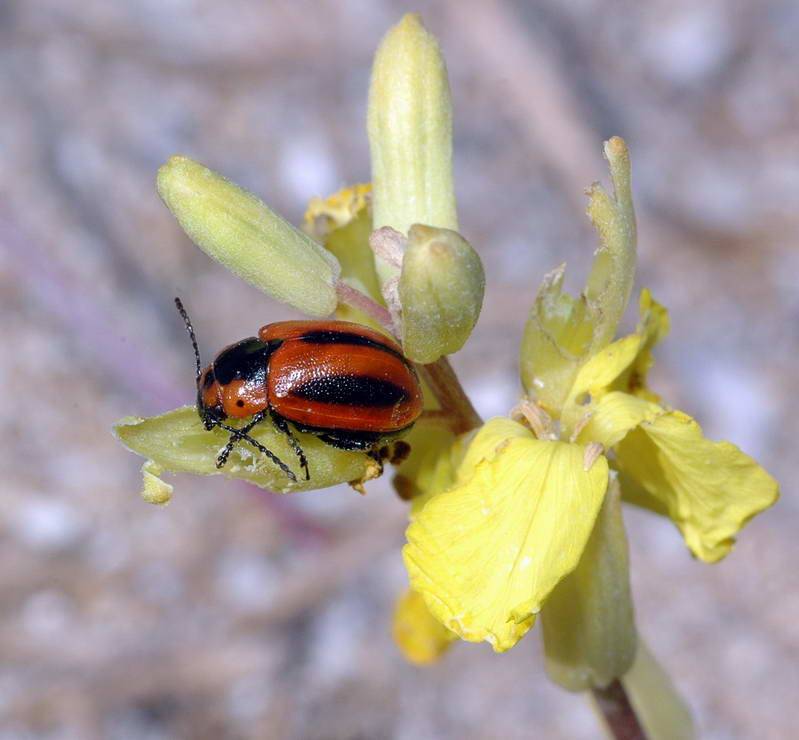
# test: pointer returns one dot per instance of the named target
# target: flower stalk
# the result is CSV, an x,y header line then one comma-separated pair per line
x,y
616,710
450,396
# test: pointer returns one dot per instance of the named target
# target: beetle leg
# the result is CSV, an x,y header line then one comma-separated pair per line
x,y
283,426
241,434
375,454
235,436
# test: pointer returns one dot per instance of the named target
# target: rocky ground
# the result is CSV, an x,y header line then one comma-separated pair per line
x,y
236,614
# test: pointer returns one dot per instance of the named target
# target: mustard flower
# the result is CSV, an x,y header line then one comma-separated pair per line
x,y
509,519
528,522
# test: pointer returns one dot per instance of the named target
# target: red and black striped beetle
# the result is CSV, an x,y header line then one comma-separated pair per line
x,y
349,385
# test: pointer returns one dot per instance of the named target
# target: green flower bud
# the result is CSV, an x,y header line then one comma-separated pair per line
x,y
441,292
588,625
238,230
410,133
177,442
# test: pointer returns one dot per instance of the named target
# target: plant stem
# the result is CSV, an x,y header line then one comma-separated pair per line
x,y
618,713
354,298
450,395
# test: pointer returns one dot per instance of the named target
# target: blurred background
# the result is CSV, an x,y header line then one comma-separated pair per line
x,y
234,613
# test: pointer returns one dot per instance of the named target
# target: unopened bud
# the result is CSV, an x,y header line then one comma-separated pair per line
x,y
410,133
441,291
240,231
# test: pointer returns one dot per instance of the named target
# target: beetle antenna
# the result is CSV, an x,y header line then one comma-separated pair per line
x,y
190,329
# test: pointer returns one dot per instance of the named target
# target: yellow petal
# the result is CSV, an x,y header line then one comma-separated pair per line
x,y
615,414
486,553
604,367
324,215
596,376
343,223
446,459
421,638
621,366
489,441
653,326
709,489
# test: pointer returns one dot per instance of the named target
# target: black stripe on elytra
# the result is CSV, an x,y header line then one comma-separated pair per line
x,y
351,390
245,360
345,337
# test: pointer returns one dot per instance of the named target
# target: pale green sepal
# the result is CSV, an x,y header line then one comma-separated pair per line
x,y
410,133
177,442
562,332
242,233
588,623
557,337
659,708
441,291
612,275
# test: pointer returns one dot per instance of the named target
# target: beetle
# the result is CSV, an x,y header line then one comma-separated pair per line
x,y
347,384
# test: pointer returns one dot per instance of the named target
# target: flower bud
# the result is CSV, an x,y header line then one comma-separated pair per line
x,y
441,291
410,133
238,230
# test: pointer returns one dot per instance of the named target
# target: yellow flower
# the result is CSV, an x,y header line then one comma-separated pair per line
x,y
495,539
421,638
488,551
709,489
